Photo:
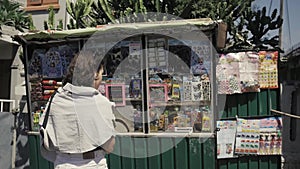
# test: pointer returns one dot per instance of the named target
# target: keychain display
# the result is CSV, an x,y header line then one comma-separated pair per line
x,y
247,137
176,91
270,136
248,68
135,88
228,76
200,57
247,72
187,91
268,71
66,53
157,56
52,64
259,136
35,63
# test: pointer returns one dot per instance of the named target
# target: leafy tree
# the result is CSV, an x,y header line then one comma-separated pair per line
x,y
12,15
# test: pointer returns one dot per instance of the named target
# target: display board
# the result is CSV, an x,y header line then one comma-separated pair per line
x,y
261,136
247,72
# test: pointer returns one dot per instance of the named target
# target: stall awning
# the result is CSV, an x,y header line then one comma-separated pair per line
x,y
203,24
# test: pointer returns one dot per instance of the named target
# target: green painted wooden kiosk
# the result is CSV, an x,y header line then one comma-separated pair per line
x,y
193,147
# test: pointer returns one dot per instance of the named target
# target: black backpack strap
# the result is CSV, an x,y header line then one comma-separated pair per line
x,y
48,111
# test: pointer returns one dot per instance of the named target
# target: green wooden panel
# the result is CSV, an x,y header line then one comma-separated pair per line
x,y
253,162
36,160
33,160
243,163
222,164
242,105
274,162
274,99
140,152
263,162
114,159
231,102
252,104
167,161
195,153
263,103
223,111
209,153
127,151
233,163
181,153
153,144
43,163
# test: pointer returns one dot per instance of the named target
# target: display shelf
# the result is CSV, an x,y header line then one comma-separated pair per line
x,y
184,103
133,99
168,134
116,93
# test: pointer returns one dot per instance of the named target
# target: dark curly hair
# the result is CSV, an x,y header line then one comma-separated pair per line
x,y
82,69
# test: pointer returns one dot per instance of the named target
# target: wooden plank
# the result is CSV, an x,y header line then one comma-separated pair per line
x,y
222,164
243,162
274,99
114,158
253,162
263,102
167,157
231,103
263,162
181,153
233,163
195,153
153,145
42,162
252,104
242,104
209,157
33,160
274,162
127,152
140,152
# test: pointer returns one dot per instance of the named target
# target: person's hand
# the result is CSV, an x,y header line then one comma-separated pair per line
x,y
108,146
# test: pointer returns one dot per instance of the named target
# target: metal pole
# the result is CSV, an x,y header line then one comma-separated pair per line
x,y
280,29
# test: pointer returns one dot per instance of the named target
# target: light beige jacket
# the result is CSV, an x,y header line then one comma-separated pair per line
x,y
80,120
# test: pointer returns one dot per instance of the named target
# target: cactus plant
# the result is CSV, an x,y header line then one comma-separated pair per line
x,y
80,12
259,24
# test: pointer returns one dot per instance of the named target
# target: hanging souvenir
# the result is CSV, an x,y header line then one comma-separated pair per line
x,y
52,64
268,71
248,68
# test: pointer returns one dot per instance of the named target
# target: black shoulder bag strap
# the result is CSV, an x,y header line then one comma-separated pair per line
x,y
48,111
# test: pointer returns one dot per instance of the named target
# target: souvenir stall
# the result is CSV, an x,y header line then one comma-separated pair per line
x,y
248,134
162,77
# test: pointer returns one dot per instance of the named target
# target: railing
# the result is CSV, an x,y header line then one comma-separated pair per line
x,y
2,101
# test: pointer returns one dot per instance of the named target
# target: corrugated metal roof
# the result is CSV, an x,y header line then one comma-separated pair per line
x,y
202,24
